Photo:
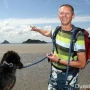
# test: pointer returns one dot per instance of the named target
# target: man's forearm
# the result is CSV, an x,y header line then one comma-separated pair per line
x,y
43,32
46,33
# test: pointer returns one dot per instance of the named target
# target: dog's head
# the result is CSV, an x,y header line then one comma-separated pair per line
x,y
11,57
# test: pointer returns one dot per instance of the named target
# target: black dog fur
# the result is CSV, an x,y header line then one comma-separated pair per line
x,y
9,63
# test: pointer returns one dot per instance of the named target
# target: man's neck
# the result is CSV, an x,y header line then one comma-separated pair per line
x,y
66,27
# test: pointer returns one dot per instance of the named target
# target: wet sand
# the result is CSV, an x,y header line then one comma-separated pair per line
x,y
26,48
36,77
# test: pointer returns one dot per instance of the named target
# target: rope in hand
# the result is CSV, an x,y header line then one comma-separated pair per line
x,y
53,51
35,62
31,64
70,49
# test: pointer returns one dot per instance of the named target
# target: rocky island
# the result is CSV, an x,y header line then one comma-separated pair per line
x,y
5,42
34,41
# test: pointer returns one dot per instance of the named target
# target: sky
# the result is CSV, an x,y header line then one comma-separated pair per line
x,y
16,16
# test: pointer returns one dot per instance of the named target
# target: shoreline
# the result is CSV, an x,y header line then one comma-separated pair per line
x,y
26,48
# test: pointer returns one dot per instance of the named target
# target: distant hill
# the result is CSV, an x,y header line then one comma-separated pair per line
x,y
34,41
5,42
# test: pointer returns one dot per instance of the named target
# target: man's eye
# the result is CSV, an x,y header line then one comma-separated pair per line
x,y
67,13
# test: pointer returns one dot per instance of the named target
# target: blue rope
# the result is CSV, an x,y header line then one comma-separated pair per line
x,y
38,60
42,58
70,49
35,62
53,51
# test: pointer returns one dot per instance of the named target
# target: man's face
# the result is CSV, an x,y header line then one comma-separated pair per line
x,y
65,15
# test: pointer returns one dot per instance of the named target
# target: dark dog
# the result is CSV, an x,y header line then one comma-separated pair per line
x,y
9,63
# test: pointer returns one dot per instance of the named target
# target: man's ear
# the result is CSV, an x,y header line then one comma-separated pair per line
x,y
58,16
73,15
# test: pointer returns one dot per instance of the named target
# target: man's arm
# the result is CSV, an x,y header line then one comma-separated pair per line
x,y
80,63
46,33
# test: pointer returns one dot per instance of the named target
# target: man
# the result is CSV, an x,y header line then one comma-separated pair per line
x,y
59,60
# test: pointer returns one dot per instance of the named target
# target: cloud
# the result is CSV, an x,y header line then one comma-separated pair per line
x,y
45,20
17,21
48,27
18,33
82,19
18,30
88,29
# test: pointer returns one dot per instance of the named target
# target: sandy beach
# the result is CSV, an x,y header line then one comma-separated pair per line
x,y
36,77
26,48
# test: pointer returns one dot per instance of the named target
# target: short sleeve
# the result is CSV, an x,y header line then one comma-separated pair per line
x,y
79,46
52,31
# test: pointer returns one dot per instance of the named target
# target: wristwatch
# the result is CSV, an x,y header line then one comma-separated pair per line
x,y
58,60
